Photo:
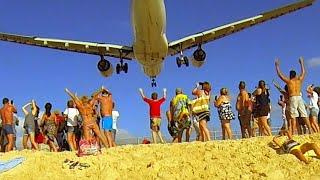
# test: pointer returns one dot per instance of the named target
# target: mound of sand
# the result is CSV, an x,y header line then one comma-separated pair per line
x,y
236,159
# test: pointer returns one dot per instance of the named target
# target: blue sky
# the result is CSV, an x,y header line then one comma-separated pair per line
x,y
42,74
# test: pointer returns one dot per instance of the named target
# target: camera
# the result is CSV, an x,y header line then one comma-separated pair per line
x,y
201,83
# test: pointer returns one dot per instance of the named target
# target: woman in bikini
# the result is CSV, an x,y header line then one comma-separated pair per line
x,y
86,109
225,112
49,124
290,146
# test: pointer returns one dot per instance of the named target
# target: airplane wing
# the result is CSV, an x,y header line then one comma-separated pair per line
x,y
218,32
111,50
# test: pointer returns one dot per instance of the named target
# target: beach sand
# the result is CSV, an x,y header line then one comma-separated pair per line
x,y
236,159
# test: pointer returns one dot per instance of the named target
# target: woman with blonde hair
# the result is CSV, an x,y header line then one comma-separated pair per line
x,y
201,112
225,112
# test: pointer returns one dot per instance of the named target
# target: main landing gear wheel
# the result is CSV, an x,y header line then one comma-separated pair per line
x,y
122,67
125,68
118,69
182,60
178,61
186,61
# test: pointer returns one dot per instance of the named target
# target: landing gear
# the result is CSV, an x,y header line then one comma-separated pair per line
x,y
153,83
122,67
182,60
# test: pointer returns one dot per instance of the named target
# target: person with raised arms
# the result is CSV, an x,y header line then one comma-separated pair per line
x,y
296,101
85,107
29,125
155,113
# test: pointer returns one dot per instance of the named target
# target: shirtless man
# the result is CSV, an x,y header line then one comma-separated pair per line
x,y
6,113
296,102
85,107
244,110
106,106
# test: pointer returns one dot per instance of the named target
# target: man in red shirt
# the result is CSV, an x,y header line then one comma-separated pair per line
x,y
155,113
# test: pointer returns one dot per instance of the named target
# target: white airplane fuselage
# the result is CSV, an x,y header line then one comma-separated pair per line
x,y
150,44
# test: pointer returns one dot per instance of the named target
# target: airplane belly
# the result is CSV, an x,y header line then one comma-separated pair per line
x,y
150,44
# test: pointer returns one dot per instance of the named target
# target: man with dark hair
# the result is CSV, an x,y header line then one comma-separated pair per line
x,y
6,113
296,102
105,99
292,74
244,110
155,113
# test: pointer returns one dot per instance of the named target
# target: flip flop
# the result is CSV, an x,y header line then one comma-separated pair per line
x,y
83,166
73,165
67,163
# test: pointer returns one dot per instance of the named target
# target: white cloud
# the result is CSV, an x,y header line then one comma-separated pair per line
x,y
314,62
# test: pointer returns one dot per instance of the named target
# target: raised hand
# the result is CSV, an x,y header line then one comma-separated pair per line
x,y
277,62
301,60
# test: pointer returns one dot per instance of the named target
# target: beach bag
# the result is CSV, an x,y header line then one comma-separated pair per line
x,y
87,148
201,104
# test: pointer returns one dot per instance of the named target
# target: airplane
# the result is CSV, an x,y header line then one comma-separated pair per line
x,y
150,46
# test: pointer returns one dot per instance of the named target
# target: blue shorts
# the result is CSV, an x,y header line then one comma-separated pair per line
x,y
107,123
8,129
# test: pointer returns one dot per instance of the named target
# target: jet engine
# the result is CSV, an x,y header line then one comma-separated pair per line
x,y
198,57
105,67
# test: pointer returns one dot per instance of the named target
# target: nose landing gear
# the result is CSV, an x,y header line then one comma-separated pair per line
x,y
153,83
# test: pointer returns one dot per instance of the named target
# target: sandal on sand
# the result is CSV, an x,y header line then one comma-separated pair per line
x,y
83,166
67,163
73,165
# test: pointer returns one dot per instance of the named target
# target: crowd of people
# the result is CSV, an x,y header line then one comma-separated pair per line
x,y
62,131
253,109
81,118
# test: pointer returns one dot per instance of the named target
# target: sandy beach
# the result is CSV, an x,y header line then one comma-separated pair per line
x,y
236,159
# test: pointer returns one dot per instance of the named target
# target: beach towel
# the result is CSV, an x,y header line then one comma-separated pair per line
x,y
200,104
180,107
90,147
10,164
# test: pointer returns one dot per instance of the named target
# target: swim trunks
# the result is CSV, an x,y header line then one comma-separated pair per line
x,y
8,129
107,123
155,122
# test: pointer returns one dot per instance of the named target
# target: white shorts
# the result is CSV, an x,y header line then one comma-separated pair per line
x,y
297,107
